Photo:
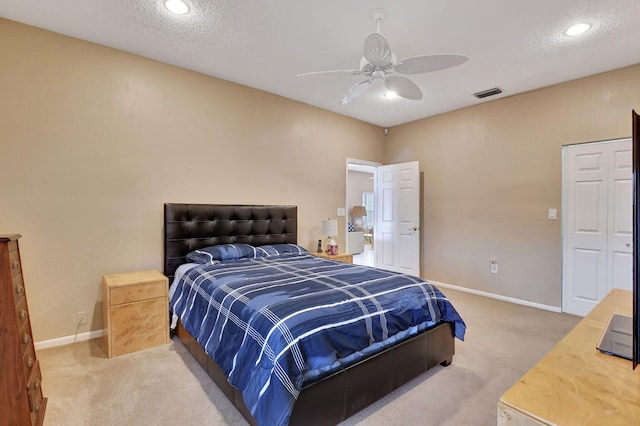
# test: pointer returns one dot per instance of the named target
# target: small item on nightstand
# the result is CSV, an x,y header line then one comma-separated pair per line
x,y
319,246
332,248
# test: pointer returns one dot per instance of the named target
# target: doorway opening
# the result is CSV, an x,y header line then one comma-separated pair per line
x,y
361,211
395,236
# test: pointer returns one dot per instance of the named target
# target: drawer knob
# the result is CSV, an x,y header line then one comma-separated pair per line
x,y
26,338
15,264
37,407
19,289
30,362
36,384
23,314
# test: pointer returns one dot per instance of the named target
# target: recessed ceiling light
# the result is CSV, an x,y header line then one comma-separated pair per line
x,y
577,29
177,6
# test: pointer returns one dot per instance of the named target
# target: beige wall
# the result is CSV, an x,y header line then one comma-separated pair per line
x,y
492,171
94,141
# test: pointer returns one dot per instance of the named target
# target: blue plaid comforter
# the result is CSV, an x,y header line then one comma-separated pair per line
x,y
275,323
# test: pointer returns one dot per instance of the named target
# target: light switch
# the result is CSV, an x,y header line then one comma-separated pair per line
x,y
341,212
553,214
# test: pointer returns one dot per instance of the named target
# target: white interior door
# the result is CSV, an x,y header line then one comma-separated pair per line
x,y
620,235
597,223
397,230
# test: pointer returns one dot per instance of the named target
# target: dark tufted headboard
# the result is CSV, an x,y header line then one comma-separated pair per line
x,y
188,227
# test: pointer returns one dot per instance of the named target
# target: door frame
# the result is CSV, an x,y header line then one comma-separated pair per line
x,y
374,165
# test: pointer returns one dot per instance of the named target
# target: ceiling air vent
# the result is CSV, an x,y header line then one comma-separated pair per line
x,y
487,93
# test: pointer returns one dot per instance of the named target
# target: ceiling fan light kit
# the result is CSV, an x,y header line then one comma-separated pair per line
x,y
577,29
379,64
178,7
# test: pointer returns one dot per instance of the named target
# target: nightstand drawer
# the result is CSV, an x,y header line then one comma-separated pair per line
x,y
138,325
137,292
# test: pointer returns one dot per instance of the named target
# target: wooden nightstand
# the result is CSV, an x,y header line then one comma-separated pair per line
x,y
135,311
343,257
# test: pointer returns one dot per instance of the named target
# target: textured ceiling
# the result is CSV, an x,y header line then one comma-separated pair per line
x,y
515,45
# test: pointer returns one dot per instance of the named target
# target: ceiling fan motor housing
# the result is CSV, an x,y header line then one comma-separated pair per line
x,y
368,69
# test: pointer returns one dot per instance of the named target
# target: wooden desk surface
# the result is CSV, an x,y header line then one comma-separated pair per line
x,y
575,384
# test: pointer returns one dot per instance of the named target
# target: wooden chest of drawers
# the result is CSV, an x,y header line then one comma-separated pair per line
x,y
135,311
21,394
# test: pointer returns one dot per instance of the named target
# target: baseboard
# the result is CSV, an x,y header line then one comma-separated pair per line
x,y
61,341
498,296
99,333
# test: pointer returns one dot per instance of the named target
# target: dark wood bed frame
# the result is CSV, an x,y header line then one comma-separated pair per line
x,y
188,227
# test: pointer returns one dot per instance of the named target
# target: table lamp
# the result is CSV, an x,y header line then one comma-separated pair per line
x,y
358,213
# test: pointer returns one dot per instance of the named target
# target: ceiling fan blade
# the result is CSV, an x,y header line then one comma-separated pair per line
x,y
404,87
377,50
355,91
428,63
329,73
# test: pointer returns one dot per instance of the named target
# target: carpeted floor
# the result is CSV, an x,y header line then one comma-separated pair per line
x,y
166,386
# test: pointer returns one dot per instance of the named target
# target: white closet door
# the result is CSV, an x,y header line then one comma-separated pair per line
x,y
597,225
620,241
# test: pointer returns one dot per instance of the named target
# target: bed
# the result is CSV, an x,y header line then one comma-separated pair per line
x,y
315,394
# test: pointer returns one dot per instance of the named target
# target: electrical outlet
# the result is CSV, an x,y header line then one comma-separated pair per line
x,y
494,266
82,318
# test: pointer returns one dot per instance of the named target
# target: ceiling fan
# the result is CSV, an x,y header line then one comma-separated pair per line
x,y
380,64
